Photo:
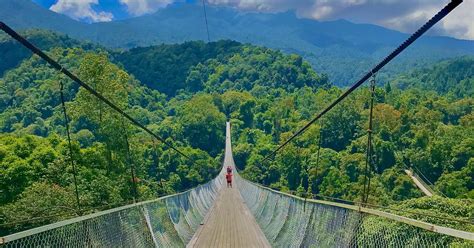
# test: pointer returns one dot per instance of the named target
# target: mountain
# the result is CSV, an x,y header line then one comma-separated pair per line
x,y
13,52
341,49
22,14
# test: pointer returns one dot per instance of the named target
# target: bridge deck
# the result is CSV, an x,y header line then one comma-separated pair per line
x,y
229,223
419,183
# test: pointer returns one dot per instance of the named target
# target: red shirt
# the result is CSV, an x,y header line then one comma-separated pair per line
x,y
228,177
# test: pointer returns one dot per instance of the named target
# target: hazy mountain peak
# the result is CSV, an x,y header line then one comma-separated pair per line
x,y
355,47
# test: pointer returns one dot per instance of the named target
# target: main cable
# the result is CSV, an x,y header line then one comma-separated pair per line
x,y
205,18
66,72
440,15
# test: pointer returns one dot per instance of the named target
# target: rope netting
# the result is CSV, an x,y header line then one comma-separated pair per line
x,y
289,221
165,222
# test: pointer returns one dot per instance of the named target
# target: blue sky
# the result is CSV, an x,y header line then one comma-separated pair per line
x,y
118,10
402,15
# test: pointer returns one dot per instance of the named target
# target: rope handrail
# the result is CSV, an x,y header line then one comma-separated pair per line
x,y
413,222
357,203
55,225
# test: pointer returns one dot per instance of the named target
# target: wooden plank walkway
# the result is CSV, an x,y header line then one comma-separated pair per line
x,y
419,183
229,223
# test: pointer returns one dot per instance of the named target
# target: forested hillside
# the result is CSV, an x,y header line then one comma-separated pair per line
x,y
454,78
341,49
186,92
13,52
166,67
223,65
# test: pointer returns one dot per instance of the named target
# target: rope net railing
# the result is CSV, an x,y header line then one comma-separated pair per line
x,y
290,221
169,221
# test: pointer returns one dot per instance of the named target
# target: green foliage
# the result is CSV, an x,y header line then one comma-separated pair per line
x,y
38,201
217,66
453,77
202,124
459,183
13,52
412,128
265,94
430,208
31,108
258,66
167,68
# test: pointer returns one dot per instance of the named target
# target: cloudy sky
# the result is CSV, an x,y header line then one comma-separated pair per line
x,y
402,15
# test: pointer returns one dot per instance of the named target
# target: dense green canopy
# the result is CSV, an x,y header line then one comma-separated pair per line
x,y
186,92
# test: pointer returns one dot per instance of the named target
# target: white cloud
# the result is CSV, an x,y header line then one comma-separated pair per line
x,y
322,12
402,15
461,22
262,5
81,10
409,21
141,7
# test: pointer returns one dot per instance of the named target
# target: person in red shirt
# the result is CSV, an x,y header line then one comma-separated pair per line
x,y
228,177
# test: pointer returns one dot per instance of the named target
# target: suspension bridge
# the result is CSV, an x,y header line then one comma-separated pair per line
x,y
246,215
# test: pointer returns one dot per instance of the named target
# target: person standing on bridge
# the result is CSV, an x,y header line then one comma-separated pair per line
x,y
228,178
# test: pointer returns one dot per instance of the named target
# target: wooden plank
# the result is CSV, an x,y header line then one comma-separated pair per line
x,y
230,224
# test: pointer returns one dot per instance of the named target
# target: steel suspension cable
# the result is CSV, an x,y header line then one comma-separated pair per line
x,y
71,152
72,76
439,16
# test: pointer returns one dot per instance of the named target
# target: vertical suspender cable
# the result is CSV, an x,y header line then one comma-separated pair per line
x,y
71,158
155,161
319,149
205,18
131,164
368,159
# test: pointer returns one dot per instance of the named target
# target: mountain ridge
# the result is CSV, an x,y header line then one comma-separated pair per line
x,y
342,49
